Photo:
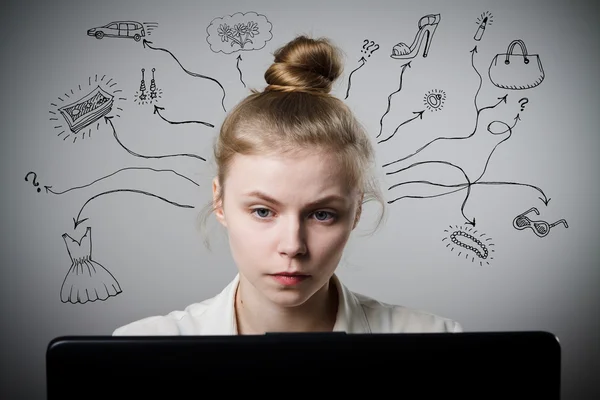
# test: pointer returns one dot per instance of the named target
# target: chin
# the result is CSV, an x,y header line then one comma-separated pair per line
x,y
289,298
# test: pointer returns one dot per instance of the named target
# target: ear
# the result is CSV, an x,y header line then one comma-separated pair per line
x,y
358,211
218,204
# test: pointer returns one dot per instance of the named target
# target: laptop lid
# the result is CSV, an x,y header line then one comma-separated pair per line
x,y
478,365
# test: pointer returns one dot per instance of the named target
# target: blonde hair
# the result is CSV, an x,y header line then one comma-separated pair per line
x,y
296,112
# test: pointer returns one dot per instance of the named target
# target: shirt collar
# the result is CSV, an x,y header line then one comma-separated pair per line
x,y
219,317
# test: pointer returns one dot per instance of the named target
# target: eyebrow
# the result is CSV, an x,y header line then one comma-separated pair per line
x,y
324,200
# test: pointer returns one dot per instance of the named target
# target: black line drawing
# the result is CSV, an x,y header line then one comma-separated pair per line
x,y
434,99
427,27
78,220
108,120
119,29
158,109
540,228
147,44
239,32
150,26
371,47
86,279
143,96
237,65
494,128
49,188
87,110
362,61
479,111
522,102
419,115
389,99
465,185
516,71
486,19
470,242
83,115
35,183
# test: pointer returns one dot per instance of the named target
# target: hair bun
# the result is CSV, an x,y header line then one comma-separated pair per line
x,y
304,65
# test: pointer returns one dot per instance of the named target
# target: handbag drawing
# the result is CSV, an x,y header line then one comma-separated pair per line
x,y
516,71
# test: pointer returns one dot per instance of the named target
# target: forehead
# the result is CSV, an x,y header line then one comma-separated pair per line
x,y
304,176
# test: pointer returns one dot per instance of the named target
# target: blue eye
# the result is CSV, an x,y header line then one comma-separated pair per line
x,y
322,215
261,212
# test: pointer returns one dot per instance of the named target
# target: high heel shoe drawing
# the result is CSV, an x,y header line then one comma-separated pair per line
x,y
427,26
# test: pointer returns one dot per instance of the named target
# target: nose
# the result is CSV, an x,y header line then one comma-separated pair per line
x,y
292,242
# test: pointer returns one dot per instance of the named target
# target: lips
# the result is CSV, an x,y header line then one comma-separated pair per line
x,y
289,278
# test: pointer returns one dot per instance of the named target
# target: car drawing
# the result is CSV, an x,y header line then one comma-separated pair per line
x,y
119,29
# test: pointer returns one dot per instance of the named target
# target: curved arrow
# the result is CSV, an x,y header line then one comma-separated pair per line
x,y
419,115
157,109
146,43
237,65
363,61
116,172
509,130
108,121
389,99
78,221
501,99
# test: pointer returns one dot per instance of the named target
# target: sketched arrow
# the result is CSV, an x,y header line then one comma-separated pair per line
x,y
78,220
108,121
419,114
237,65
48,188
389,99
362,61
147,43
157,109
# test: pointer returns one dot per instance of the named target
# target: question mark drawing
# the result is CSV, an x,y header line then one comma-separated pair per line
x,y
371,43
524,101
36,184
366,41
376,47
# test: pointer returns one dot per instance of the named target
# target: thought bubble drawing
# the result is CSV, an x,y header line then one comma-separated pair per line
x,y
237,32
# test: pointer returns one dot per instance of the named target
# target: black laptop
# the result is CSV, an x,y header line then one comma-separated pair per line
x,y
473,365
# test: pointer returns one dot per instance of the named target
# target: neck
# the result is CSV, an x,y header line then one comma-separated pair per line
x,y
256,314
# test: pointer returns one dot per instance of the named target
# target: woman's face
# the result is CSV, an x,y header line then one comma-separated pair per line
x,y
287,214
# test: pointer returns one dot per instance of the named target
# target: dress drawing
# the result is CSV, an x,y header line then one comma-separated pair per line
x,y
86,280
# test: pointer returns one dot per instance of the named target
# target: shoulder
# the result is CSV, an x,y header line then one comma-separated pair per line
x,y
390,318
175,323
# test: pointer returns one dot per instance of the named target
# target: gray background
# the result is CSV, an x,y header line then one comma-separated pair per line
x,y
155,250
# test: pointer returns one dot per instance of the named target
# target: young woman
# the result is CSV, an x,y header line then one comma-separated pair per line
x,y
293,171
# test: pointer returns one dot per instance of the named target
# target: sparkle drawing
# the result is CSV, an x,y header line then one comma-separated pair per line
x,y
540,228
485,20
427,27
434,99
86,280
143,95
239,32
468,242
85,108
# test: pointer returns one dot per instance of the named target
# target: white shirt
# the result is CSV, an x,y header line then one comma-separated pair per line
x,y
356,314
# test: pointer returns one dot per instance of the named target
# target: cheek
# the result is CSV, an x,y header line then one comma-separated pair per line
x,y
328,244
246,242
